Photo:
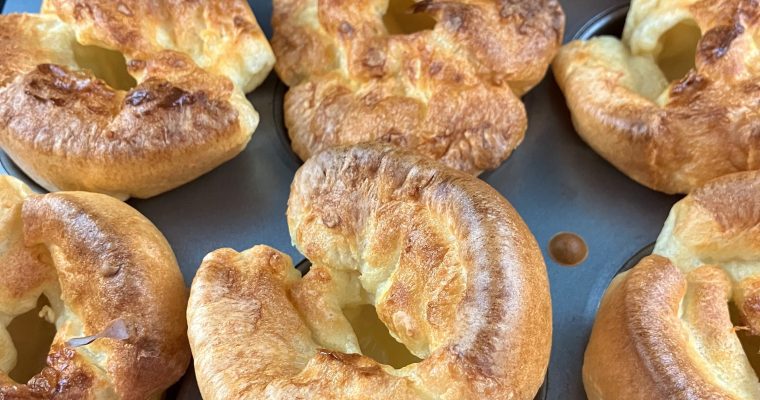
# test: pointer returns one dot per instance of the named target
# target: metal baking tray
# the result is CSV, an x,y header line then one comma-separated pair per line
x,y
555,181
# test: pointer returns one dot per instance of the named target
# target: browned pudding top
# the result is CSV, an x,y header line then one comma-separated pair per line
x,y
676,103
450,268
100,263
128,98
450,92
665,329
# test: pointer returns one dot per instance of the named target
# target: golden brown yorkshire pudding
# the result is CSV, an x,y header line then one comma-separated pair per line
x,y
677,102
170,105
450,92
664,329
449,267
115,294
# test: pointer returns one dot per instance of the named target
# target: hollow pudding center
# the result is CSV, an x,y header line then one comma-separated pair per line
x,y
400,18
108,65
679,49
375,340
32,336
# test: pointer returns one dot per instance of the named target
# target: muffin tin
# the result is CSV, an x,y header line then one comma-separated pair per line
x,y
555,181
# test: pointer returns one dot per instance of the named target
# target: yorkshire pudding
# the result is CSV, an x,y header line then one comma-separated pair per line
x,y
115,292
450,93
170,106
677,102
664,329
450,268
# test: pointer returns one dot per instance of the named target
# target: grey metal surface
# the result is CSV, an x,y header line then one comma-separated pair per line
x,y
553,179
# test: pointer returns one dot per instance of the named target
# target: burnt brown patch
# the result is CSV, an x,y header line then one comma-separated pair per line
x,y
57,85
176,97
690,83
138,97
716,43
62,378
156,94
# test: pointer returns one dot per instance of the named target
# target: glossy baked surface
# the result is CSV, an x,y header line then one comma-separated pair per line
x,y
665,329
105,270
450,267
676,102
450,91
555,181
92,100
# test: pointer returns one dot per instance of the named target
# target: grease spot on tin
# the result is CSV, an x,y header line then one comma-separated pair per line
x,y
568,249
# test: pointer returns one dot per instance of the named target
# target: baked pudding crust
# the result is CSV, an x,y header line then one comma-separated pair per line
x,y
451,269
99,262
450,93
664,328
671,136
187,113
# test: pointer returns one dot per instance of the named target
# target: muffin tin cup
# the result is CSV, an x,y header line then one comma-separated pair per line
x,y
555,181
